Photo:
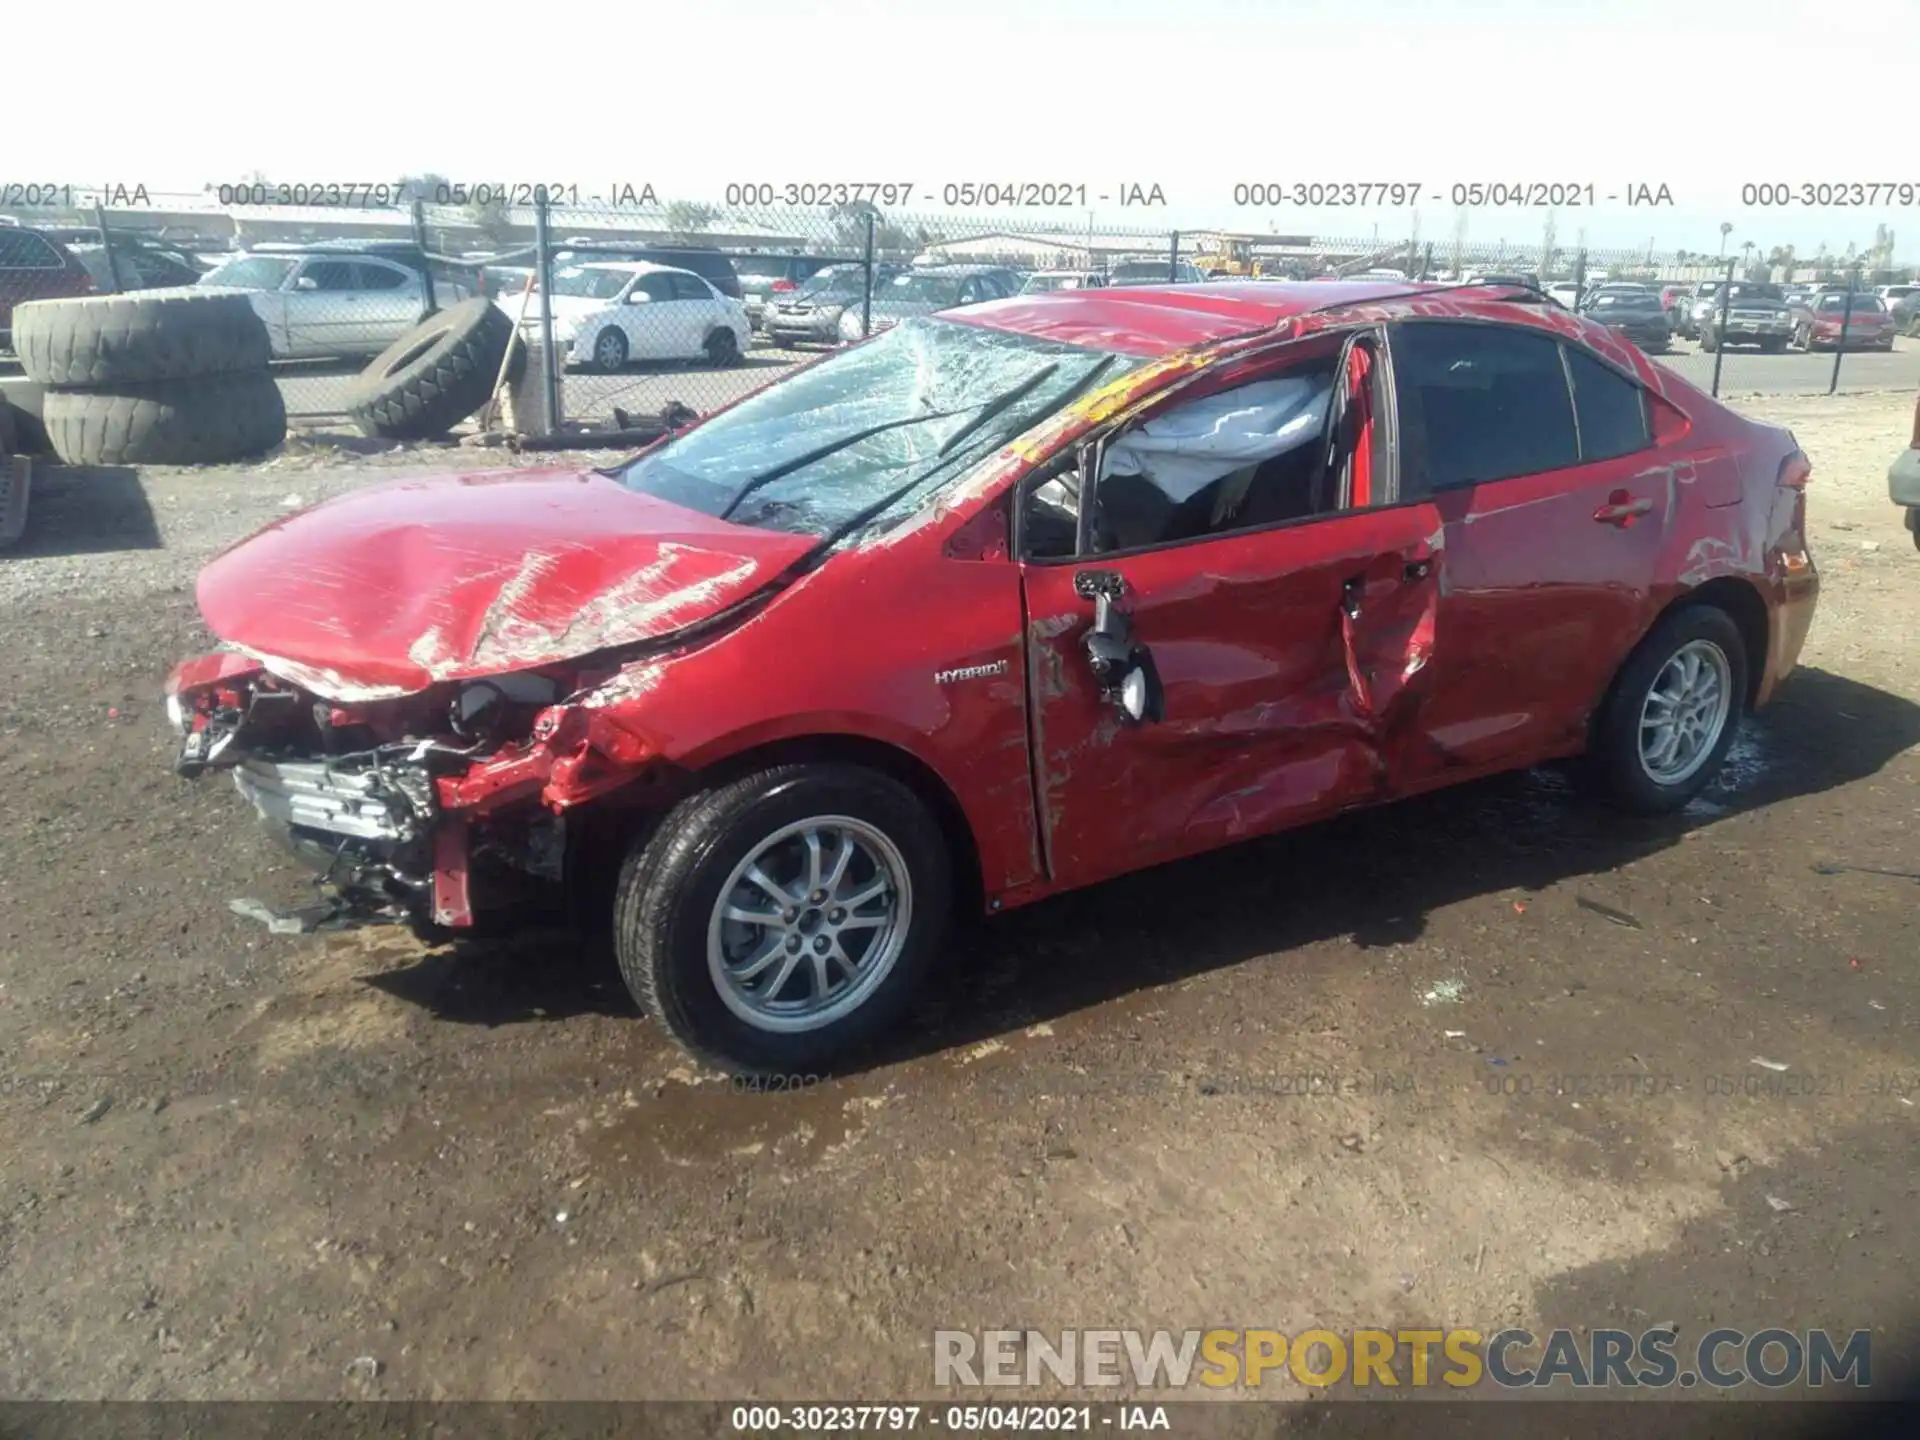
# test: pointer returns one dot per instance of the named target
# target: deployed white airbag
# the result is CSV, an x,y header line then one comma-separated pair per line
x,y
1189,447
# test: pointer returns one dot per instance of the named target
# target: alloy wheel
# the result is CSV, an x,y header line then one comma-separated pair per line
x,y
1685,711
809,924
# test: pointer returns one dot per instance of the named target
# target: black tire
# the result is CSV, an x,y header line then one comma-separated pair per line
x,y
1707,342
434,376
209,421
1614,763
672,879
723,347
108,341
593,355
1803,339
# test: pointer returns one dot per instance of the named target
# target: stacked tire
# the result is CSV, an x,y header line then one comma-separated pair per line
x,y
169,378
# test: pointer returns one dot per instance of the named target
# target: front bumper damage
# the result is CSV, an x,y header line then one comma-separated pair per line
x,y
427,808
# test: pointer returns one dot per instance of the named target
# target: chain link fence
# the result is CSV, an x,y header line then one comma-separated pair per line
x,y
628,311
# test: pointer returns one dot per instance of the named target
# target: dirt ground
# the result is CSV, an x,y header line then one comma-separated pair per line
x,y
235,1163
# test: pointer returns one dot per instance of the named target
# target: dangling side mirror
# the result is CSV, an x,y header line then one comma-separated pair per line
x,y
1123,667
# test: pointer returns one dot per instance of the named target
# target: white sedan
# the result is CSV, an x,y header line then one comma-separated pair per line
x,y
608,312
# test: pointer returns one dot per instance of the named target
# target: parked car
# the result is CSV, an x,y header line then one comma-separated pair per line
x,y
1044,281
827,308
33,267
1906,314
1891,293
833,307
1704,296
326,302
1903,480
713,266
1756,314
923,292
1633,312
136,267
610,312
764,276
1008,602
1153,272
1868,324
1567,293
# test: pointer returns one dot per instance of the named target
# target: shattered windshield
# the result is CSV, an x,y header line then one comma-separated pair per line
x,y
892,417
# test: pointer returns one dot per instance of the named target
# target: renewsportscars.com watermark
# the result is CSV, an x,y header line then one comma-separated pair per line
x,y
1392,1359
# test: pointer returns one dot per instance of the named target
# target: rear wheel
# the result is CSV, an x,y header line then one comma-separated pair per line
x,y
723,348
1673,712
775,924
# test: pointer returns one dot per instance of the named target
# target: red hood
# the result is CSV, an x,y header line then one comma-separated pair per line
x,y
389,589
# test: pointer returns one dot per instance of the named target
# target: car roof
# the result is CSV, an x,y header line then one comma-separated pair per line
x,y
630,267
1151,320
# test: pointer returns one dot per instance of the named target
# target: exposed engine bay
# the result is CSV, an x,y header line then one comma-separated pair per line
x,y
401,805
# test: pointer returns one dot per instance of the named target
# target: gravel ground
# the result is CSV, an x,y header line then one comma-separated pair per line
x,y
236,1163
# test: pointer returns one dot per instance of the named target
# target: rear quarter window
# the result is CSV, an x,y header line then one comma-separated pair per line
x,y
1611,409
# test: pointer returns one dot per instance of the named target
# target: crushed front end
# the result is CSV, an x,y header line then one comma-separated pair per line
x,y
432,807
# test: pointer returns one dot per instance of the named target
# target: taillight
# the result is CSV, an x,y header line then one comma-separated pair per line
x,y
1795,471
782,286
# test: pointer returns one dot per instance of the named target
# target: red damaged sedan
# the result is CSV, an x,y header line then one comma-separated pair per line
x,y
1000,603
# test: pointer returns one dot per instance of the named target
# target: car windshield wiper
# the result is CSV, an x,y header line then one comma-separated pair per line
x,y
1000,402
800,462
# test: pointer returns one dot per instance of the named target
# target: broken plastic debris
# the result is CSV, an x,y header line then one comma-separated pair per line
x,y
1444,992
1454,1034
326,915
1875,1005
363,1367
1607,912
1777,1203
1768,1064
279,924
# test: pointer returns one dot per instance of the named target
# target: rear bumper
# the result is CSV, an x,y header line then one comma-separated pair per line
x,y
1903,480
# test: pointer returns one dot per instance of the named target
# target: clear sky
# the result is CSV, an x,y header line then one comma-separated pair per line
x,y
1195,96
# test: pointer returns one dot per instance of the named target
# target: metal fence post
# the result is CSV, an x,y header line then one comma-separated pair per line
x,y
543,277
1426,261
1579,276
866,289
106,244
1846,320
420,239
1720,328
1173,260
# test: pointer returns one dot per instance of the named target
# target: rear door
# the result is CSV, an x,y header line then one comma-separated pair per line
x,y
392,298
1539,459
657,328
701,308
323,308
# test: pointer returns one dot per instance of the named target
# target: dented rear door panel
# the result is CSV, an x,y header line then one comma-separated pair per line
x,y
1550,582
1290,659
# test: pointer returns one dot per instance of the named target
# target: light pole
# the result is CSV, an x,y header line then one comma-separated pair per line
x,y
1726,229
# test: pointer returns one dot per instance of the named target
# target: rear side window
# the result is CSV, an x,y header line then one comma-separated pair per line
x,y
23,250
690,287
1477,403
1612,409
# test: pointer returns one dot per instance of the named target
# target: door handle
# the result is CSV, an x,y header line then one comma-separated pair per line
x,y
1622,509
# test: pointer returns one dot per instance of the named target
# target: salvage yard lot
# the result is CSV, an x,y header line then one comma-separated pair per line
x,y
1528,1034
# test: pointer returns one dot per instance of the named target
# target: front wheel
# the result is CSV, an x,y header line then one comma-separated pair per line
x,y
1671,717
610,350
776,924
1708,342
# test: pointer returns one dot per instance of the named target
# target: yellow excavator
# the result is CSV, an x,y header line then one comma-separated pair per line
x,y
1227,255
